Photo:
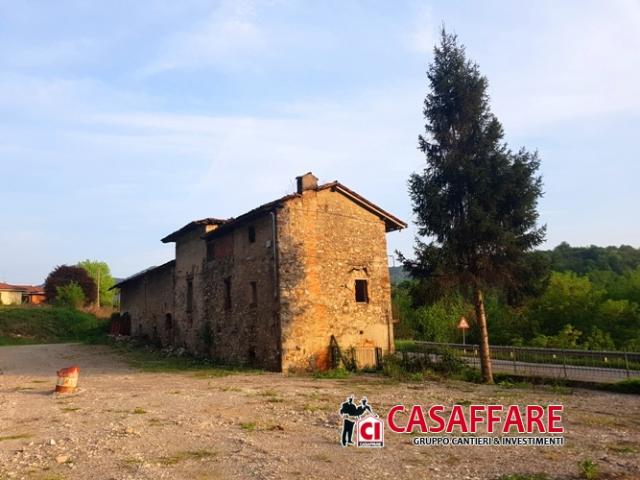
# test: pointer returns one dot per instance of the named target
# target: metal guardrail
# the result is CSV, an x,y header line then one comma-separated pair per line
x,y
581,365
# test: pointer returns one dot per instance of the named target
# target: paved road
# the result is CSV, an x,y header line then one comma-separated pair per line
x,y
551,370
569,372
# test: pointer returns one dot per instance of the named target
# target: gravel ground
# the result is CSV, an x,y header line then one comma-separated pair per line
x,y
128,424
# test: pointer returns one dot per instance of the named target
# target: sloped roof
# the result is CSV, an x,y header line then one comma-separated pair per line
x,y
141,273
172,237
392,222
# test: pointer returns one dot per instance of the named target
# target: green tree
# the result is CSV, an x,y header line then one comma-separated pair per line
x,y
476,200
101,275
620,318
598,340
70,295
569,299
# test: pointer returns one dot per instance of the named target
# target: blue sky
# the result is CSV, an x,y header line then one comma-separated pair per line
x,y
121,121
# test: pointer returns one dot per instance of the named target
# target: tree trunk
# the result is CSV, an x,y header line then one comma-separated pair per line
x,y
485,357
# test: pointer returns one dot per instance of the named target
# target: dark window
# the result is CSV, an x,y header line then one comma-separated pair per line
x,y
168,322
211,250
254,294
362,291
189,295
227,293
252,234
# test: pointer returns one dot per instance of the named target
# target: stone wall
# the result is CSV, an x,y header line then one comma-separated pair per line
x,y
148,299
243,298
190,318
242,318
327,242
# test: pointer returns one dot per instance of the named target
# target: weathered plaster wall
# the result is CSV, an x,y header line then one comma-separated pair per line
x,y
244,331
10,298
326,243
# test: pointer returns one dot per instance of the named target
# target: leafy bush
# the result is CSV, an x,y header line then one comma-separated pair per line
x,y
64,275
427,364
449,363
69,296
434,322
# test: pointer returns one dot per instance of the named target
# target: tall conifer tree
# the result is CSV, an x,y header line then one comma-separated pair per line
x,y
475,200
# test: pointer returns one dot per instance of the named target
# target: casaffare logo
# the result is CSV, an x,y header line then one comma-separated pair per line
x,y
508,425
363,422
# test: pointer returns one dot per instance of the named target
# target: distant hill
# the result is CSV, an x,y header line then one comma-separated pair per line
x,y
398,275
582,260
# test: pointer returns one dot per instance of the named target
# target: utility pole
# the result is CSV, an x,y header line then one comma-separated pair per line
x,y
98,294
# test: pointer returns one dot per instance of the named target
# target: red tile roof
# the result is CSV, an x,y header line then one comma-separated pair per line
x,y
31,289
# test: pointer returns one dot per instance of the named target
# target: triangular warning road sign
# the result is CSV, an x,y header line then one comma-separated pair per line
x,y
463,324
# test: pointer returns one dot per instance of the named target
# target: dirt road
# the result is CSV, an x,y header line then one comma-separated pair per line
x,y
127,424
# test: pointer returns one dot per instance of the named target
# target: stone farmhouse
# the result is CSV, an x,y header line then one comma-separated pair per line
x,y
276,286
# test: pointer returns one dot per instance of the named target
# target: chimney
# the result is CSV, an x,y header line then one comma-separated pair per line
x,y
308,181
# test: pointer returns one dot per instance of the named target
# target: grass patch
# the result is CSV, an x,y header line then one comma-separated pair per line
x,y
589,469
151,359
269,393
70,409
231,389
517,384
524,476
248,426
139,411
185,456
272,396
33,324
631,385
20,436
333,374
624,448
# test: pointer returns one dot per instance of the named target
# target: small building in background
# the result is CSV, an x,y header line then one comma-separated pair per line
x,y
20,294
281,287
